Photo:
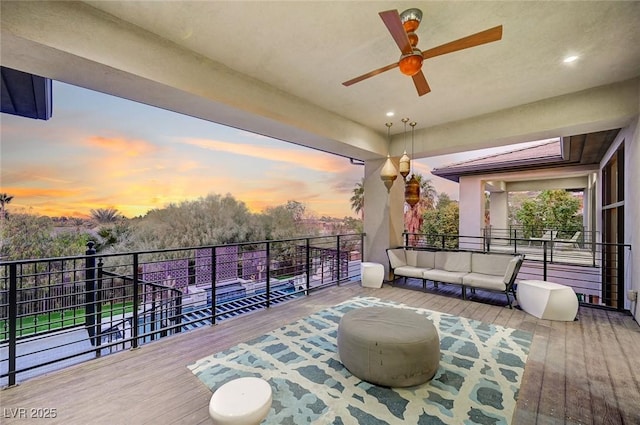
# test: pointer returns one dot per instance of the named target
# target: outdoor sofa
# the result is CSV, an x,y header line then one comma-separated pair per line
x,y
475,270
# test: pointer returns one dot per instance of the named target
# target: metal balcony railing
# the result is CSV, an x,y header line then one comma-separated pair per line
x,y
595,271
60,311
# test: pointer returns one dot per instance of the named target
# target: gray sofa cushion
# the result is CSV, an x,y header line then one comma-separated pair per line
x,y
437,275
409,271
492,264
485,281
397,257
453,261
511,268
425,259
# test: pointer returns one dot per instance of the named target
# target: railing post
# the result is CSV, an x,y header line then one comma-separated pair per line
x,y
90,293
13,322
268,283
308,267
544,260
136,303
515,241
487,238
620,276
214,271
154,294
338,260
99,307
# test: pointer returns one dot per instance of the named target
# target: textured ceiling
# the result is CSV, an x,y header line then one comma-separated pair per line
x,y
307,49
276,68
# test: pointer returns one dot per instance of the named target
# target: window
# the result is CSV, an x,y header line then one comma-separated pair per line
x,y
613,229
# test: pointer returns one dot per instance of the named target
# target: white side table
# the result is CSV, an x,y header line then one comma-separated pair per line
x,y
547,300
371,275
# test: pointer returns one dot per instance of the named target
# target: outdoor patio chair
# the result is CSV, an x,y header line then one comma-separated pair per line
x,y
572,242
548,236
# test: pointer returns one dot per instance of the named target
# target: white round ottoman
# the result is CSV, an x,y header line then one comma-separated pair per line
x,y
371,275
389,346
242,401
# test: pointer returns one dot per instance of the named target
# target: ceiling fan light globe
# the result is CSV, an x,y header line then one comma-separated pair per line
x,y
411,64
410,19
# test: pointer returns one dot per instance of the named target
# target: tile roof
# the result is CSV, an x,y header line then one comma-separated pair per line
x,y
542,153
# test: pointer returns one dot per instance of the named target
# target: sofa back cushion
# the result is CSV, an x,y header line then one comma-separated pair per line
x,y
493,264
453,261
397,257
412,257
425,259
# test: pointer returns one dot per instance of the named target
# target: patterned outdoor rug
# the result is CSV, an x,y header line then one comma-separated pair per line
x,y
481,367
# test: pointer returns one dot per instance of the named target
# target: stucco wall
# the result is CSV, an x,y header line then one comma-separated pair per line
x,y
632,210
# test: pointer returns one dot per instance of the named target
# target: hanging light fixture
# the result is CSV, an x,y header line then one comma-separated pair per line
x,y
412,187
389,172
405,161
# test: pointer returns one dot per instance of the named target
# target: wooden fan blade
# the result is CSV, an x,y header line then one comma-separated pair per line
x,y
421,84
391,19
370,74
482,37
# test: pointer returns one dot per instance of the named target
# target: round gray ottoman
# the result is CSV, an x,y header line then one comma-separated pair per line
x,y
389,346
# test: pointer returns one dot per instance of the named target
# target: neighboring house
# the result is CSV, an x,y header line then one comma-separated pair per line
x,y
594,163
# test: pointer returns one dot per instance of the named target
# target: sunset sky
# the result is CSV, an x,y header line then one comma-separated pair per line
x,y
100,151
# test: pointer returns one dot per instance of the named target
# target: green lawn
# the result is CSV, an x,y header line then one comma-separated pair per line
x,y
29,325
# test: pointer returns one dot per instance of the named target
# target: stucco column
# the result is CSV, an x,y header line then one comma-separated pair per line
x,y
499,215
383,218
471,210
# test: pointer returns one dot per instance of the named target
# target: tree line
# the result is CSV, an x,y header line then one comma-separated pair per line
x,y
211,220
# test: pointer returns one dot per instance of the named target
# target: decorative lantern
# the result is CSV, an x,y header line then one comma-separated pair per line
x,y
405,161
405,165
388,174
412,191
412,187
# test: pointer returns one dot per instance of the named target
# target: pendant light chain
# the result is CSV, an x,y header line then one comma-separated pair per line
x,y
413,127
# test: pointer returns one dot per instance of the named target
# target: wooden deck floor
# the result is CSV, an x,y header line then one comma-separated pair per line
x,y
582,372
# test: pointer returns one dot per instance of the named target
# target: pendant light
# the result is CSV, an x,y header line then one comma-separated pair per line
x,y
412,187
405,161
389,172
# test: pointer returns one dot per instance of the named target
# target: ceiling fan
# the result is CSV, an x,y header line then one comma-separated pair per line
x,y
402,28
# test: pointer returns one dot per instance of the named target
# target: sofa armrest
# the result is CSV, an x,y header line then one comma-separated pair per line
x,y
512,270
397,257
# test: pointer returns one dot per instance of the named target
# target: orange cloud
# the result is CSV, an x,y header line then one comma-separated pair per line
x,y
126,147
311,159
29,192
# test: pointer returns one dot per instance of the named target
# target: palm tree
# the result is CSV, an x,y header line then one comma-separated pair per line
x,y
4,200
428,193
357,199
105,215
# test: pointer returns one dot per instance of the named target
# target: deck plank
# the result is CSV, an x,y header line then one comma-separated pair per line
x,y
584,372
